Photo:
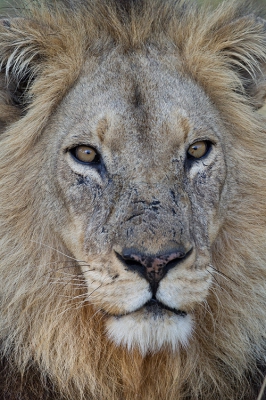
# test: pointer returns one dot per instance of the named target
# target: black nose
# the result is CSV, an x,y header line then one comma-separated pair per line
x,y
153,268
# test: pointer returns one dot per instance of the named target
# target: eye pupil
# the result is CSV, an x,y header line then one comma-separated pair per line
x,y
85,154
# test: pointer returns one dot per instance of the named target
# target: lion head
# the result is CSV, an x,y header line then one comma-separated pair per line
x,y
133,214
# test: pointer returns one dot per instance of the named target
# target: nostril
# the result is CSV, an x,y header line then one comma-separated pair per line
x,y
132,256
153,268
132,262
177,259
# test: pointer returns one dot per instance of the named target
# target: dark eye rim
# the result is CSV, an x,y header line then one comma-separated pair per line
x,y
95,162
209,144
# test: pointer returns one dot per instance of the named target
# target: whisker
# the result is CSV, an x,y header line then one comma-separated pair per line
x,y
68,267
80,296
87,270
74,285
223,275
218,284
58,251
212,289
206,307
95,290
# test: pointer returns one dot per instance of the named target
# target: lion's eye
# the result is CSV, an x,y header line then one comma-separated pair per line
x,y
85,154
198,149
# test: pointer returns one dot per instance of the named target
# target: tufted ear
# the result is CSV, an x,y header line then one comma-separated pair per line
x,y
245,51
256,87
40,59
19,56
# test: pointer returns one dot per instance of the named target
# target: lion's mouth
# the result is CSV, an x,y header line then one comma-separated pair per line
x,y
154,307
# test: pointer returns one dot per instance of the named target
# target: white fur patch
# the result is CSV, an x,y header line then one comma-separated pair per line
x,y
149,332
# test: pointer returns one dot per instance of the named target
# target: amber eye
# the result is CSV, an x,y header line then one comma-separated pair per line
x,y
198,149
85,154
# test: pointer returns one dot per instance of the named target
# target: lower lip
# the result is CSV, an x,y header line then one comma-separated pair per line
x,y
155,304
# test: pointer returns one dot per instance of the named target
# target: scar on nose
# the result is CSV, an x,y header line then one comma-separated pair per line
x,y
102,128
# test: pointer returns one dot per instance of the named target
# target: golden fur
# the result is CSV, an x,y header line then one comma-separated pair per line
x,y
47,327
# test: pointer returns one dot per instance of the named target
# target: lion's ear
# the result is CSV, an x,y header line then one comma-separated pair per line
x,y
19,54
256,87
245,51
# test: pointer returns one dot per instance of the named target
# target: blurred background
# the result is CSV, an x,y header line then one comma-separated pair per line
x,y
6,6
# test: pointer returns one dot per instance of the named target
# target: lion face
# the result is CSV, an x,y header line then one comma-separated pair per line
x,y
132,210
140,172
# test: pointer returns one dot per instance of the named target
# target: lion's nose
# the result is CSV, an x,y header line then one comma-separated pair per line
x,y
153,268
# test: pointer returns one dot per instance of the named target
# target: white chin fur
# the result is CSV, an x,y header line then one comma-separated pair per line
x,y
150,333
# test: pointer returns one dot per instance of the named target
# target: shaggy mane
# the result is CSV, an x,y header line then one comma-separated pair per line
x,y
47,328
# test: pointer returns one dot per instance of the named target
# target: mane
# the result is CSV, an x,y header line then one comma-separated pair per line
x,y
46,323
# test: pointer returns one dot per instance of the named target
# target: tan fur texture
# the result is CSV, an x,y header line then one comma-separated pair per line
x,y
140,83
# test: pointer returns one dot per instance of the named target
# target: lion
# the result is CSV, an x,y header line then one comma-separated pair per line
x,y
133,217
